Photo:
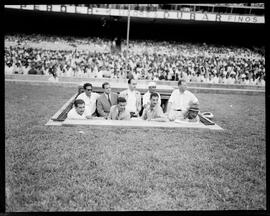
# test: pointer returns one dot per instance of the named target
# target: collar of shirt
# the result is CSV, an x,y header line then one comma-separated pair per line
x,y
182,93
108,95
87,95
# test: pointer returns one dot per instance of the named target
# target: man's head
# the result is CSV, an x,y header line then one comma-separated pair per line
x,y
107,88
152,87
182,85
87,89
121,103
153,99
132,84
79,106
193,111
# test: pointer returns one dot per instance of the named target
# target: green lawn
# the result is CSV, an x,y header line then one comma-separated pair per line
x,y
50,168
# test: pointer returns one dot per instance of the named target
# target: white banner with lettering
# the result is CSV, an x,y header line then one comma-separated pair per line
x,y
177,15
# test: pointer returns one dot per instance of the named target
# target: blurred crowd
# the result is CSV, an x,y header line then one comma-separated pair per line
x,y
149,60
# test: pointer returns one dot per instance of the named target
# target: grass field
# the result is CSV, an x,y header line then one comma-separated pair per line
x,y
111,168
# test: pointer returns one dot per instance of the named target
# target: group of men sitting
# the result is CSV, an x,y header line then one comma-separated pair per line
x,y
182,104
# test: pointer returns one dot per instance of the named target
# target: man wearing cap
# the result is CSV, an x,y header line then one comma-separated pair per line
x,y
106,100
146,97
133,98
180,101
191,115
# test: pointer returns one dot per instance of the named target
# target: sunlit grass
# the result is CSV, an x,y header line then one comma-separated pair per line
x,y
114,168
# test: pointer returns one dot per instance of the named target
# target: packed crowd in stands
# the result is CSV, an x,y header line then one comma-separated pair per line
x,y
149,60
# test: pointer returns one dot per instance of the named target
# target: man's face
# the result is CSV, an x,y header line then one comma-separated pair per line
x,y
132,85
182,87
152,89
88,91
107,89
80,109
154,101
121,106
192,114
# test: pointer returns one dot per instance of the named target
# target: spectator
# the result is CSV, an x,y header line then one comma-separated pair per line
x,y
90,99
106,100
133,98
77,112
153,111
146,97
179,101
8,68
119,112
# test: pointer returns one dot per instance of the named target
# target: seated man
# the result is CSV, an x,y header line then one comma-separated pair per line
x,y
153,111
90,99
146,97
180,100
77,112
119,112
106,101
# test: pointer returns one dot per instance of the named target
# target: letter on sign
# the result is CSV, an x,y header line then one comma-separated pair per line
x,y
49,7
192,16
205,16
63,8
218,17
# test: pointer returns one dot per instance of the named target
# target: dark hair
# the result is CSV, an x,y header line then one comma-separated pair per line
x,y
121,100
106,83
154,94
181,81
78,101
87,84
129,80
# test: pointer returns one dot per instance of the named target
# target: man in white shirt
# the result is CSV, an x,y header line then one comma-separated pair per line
x,y
215,79
146,97
153,111
90,99
25,69
77,112
8,68
179,101
133,98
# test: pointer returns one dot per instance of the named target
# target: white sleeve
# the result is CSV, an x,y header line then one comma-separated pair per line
x,y
72,115
193,98
172,97
97,95
144,99
159,99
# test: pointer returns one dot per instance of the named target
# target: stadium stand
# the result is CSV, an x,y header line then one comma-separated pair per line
x,y
91,57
